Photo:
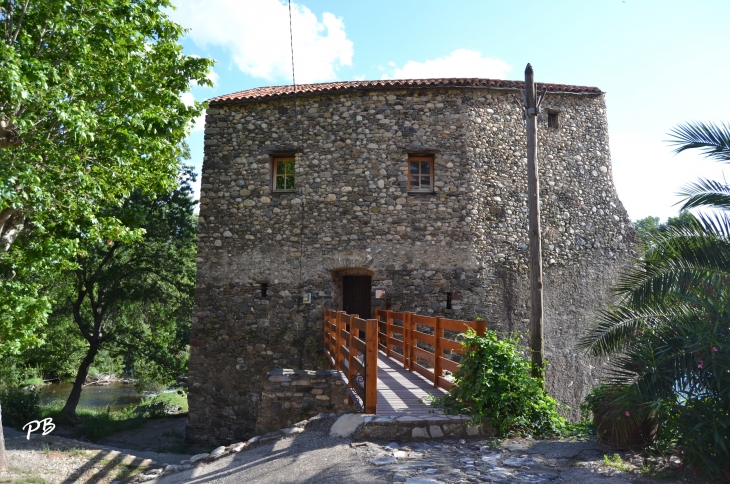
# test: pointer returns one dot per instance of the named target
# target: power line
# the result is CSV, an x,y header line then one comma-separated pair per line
x,y
296,124
291,45
301,225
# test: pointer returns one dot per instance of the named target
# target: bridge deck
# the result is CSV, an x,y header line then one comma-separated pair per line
x,y
400,392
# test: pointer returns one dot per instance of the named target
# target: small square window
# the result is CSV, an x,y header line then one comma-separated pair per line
x,y
420,174
283,177
553,119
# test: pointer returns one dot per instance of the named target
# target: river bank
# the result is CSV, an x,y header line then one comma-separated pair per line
x,y
96,395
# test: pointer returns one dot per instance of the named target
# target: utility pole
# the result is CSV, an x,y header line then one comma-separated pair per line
x,y
537,344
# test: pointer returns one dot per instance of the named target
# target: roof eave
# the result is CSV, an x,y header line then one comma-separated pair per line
x,y
539,87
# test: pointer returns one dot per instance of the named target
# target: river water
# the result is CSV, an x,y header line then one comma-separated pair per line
x,y
93,397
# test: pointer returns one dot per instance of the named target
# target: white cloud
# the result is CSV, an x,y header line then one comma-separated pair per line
x,y
648,175
256,34
187,98
198,123
213,77
460,63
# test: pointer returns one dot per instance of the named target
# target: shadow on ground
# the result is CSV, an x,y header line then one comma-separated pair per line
x,y
310,457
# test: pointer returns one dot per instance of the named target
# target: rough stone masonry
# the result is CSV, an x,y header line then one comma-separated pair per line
x,y
462,243
289,396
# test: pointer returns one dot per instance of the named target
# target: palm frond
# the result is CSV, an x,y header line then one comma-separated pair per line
x,y
663,357
622,328
615,327
678,260
712,140
706,193
672,369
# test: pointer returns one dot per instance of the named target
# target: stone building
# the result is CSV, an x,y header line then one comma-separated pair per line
x,y
413,187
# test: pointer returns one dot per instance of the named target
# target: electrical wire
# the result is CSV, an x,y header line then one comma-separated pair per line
x,y
301,191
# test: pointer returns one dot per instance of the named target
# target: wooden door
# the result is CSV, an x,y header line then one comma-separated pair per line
x,y
356,296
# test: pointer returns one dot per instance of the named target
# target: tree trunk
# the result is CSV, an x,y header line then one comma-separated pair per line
x,y
3,460
73,398
12,222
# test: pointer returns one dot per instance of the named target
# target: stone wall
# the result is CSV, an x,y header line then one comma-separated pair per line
x,y
290,396
352,214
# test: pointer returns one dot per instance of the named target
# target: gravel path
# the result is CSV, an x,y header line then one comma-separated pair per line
x,y
314,457
310,457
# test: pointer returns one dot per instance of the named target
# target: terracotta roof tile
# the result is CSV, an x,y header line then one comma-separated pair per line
x,y
272,92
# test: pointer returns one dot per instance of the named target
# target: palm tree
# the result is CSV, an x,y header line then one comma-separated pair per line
x,y
667,330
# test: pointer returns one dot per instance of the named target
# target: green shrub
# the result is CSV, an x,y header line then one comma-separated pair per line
x,y
22,406
14,373
106,364
494,382
162,405
702,431
675,367
152,377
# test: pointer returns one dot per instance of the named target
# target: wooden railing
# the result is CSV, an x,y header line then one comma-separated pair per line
x,y
391,324
351,346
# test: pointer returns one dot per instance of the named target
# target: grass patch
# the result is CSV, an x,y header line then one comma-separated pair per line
x,y
579,431
170,399
660,475
74,452
616,462
96,425
25,480
493,443
36,381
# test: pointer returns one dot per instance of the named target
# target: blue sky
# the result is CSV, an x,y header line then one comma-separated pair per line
x,y
660,63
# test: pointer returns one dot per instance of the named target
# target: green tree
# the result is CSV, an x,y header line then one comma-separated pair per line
x,y
646,227
90,110
650,226
668,330
135,298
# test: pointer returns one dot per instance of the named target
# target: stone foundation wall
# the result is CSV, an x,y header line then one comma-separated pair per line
x,y
290,396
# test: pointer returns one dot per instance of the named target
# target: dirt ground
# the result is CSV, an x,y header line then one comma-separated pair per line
x,y
160,436
58,459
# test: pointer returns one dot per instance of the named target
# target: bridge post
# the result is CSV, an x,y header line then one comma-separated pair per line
x,y
437,352
338,339
388,331
371,365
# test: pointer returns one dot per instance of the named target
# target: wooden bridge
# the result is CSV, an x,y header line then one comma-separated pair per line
x,y
395,360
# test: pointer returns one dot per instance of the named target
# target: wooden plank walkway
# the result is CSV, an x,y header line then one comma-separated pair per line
x,y
399,391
